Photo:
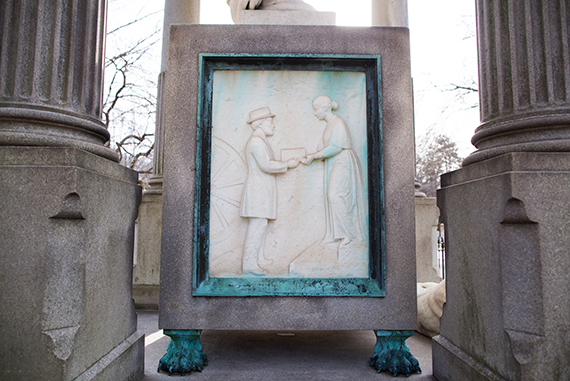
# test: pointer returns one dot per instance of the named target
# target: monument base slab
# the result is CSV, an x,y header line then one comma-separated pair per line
x,y
124,362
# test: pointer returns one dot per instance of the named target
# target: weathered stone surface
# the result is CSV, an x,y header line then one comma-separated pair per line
x,y
390,13
524,56
427,220
124,362
506,211
51,75
67,232
175,12
146,271
66,264
178,308
507,312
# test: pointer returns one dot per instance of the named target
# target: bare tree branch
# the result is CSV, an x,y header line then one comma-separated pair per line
x,y
459,87
129,105
134,21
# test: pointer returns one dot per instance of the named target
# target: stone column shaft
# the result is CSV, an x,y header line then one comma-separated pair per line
x,y
524,77
51,65
175,12
390,13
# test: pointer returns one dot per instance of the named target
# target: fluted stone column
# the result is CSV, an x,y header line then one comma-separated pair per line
x,y
51,69
524,77
507,314
68,208
390,13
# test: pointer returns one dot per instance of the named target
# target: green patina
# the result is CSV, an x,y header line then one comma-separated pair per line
x,y
288,287
374,286
184,353
392,354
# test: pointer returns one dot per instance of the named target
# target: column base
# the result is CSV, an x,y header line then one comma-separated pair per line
x,y
392,354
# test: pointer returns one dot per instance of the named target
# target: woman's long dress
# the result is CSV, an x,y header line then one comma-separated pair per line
x,y
344,196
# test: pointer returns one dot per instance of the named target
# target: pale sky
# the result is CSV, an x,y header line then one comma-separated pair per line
x,y
443,51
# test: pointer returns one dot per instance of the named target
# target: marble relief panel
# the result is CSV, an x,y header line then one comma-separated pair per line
x,y
313,155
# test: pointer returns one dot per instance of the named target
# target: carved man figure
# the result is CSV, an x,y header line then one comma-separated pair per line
x,y
259,196
282,5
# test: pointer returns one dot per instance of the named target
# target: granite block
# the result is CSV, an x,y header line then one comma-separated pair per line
x,y
179,309
66,263
507,262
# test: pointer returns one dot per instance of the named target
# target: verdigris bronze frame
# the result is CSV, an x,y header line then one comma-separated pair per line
x,y
374,285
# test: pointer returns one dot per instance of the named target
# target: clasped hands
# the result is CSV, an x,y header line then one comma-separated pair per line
x,y
308,159
305,160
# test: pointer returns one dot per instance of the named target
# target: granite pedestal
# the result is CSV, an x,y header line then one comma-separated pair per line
x,y
66,266
179,308
506,315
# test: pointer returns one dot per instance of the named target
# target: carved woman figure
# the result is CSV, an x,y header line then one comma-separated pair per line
x,y
343,186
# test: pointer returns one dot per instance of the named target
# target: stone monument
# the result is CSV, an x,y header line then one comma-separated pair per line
x,y
288,186
68,207
507,314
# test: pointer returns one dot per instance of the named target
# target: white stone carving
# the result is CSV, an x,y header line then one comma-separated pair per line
x,y
259,195
343,191
266,220
227,177
237,6
431,298
343,176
